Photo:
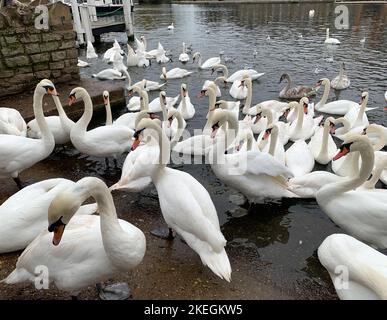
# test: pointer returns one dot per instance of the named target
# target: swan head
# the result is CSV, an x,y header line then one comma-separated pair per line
x,y
46,86
133,89
284,76
61,210
364,97
172,114
221,104
163,97
75,94
183,89
195,55
218,119
353,142
271,129
330,123
322,81
304,102
105,96
164,73
143,115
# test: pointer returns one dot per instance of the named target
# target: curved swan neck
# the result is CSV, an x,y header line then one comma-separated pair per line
x,y
381,141
180,128
224,70
211,99
88,111
199,59
362,108
380,166
324,145
231,133
249,95
273,142
325,95
115,239
300,118
47,136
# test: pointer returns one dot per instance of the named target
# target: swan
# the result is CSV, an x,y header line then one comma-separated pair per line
x,y
156,104
378,130
245,139
208,64
149,85
299,158
340,132
237,91
329,40
171,26
189,211
175,73
362,213
298,92
357,117
11,122
321,144
365,267
275,105
60,126
208,83
173,125
338,107
229,105
109,53
132,177
303,127
18,153
82,64
311,13
87,249
341,81
273,147
104,141
132,59
186,108
160,55
184,57
128,119
24,214
237,75
109,74
90,51
108,109
255,174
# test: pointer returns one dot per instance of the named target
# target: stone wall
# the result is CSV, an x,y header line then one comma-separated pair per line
x,y
28,54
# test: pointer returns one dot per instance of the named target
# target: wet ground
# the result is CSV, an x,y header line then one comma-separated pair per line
x,y
272,246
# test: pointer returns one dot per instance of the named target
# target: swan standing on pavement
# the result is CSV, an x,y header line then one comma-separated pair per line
x,y
186,108
347,206
341,81
11,122
106,245
18,153
208,64
60,126
24,215
366,268
190,211
103,141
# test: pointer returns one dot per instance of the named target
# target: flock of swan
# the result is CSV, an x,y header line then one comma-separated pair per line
x,y
80,249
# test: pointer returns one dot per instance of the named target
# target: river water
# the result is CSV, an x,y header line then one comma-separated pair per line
x,y
284,235
287,234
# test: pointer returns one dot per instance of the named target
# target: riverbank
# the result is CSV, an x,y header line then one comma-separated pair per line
x,y
23,102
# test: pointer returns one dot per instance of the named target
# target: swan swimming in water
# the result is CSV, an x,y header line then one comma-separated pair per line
x,y
209,63
329,40
341,81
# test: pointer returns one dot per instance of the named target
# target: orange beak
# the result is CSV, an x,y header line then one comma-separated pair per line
x,y
305,108
341,153
135,144
58,233
53,92
266,135
72,100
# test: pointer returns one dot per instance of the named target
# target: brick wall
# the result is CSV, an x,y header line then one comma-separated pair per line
x,y
28,54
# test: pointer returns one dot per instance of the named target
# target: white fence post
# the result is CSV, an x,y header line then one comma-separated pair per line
x,y
128,19
86,23
77,22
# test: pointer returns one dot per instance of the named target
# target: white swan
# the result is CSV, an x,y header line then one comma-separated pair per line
x,y
171,26
149,85
175,73
209,63
237,91
156,104
244,140
186,108
104,141
338,107
173,125
275,105
184,57
341,81
24,215
347,207
105,244
109,53
82,64
311,13
11,122
365,268
90,51
233,106
255,174
299,159
329,40
189,211
272,146
303,127
238,75
19,153
132,59
321,144
357,117
60,126
109,74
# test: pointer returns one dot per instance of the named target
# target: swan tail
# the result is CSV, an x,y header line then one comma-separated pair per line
x,y
218,263
17,276
94,75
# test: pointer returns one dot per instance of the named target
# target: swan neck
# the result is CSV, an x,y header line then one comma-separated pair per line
x,y
249,96
109,119
273,142
87,113
325,95
300,118
47,136
362,108
324,145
